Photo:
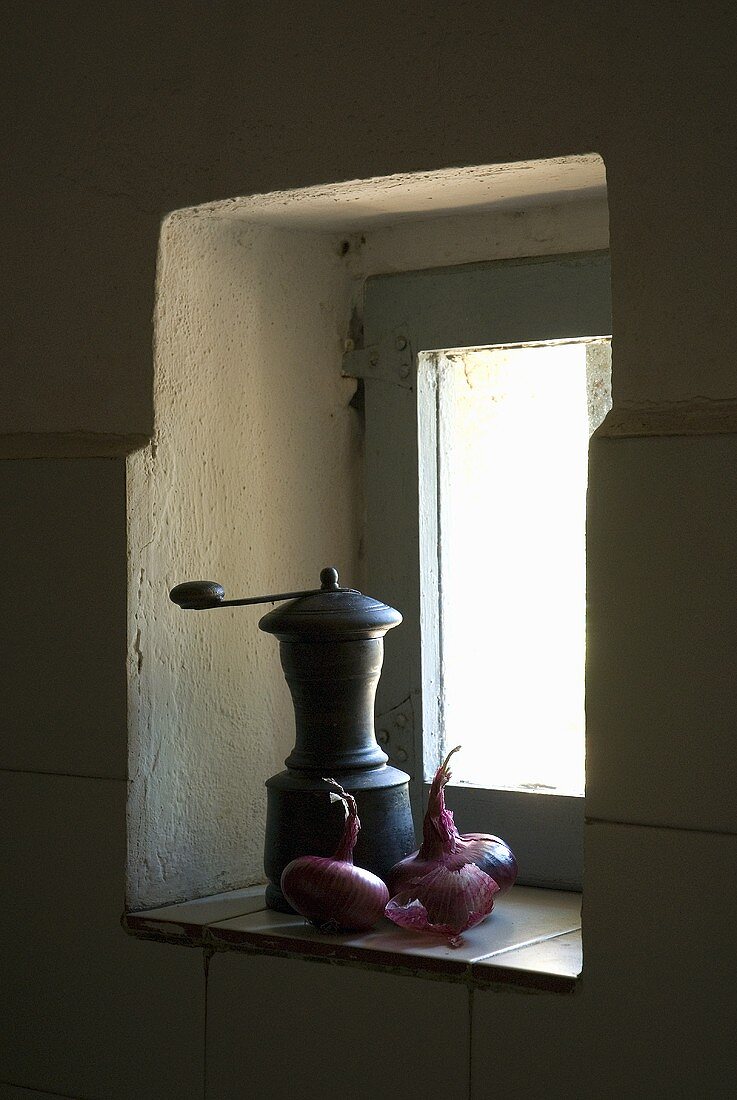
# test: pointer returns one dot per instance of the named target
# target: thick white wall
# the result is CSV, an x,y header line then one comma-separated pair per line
x,y
119,114
253,479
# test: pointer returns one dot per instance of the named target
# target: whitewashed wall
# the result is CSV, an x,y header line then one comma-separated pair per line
x,y
253,479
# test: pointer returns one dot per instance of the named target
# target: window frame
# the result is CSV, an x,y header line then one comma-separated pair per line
x,y
532,299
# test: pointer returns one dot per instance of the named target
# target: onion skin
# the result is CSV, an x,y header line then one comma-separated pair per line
x,y
446,901
442,841
450,882
332,893
489,853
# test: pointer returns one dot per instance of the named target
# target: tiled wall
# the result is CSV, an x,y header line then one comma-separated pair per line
x,y
93,1013
120,114
86,1010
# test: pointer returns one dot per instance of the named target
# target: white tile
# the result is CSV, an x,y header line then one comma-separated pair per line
x,y
660,959
659,913
527,914
64,667
521,916
662,623
284,1028
654,1013
528,1045
385,945
188,918
561,956
87,1009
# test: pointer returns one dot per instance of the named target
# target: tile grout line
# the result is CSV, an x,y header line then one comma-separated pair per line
x,y
144,914
44,1092
224,920
207,925
409,958
181,922
525,944
470,972
64,775
207,953
658,825
206,936
470,1041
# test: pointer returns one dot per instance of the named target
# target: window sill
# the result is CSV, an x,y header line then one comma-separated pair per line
x,y
532,938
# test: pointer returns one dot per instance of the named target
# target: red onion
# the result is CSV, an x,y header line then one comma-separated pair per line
x,y
333,894
450,883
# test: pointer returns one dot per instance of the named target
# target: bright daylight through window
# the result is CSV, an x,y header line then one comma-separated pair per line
x,y
513,425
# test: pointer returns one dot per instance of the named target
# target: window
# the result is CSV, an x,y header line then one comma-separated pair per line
x,y
523,335
507,481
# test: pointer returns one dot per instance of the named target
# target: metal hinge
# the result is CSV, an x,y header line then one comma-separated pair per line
x,y
395,731
390,361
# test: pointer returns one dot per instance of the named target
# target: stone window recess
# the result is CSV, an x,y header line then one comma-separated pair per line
x,y
260,474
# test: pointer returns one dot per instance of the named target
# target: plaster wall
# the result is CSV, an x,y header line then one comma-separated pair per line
x,y
116,115
253,479
119,116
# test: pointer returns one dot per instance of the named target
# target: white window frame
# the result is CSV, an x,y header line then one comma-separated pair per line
x,y
500,302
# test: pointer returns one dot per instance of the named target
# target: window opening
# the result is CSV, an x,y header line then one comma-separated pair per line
x,y
511,451
428,333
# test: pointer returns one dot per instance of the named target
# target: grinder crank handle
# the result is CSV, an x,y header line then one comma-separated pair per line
x,y
204,595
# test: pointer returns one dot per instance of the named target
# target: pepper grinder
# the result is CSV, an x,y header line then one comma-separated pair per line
x,y
331,643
